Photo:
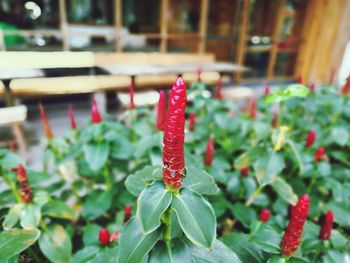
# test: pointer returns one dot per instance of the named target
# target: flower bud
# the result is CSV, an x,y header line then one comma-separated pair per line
x,y
104,237
252,108
244,171
47,128
95,114
114,236
73,124
209,152
264,215
26,192
311,137
326,229
320,154
127,213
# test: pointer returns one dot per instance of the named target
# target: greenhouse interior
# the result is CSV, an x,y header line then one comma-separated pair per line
x,y
163,131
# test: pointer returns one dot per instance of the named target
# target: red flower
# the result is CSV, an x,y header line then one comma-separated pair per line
x,y
252,108
73,124
293,233
131,93
127,213
319,154
95,114
267,89
310,140
219,89
25,189
346,88
290,211
161,111
326,229
104,237
274,122
192,121
245,171
199,73
173,142
300,79
209,152
114,236
264,215
47,128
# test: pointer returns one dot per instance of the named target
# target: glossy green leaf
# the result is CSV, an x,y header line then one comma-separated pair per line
x,y
199,181
58,209
341,213
268,167
97,203
85,254
248,158
12,216
180,252
151,204
276,259
267,239
135,183
196,217
107,255
30,216
15,241
294,148
96,155
90,234
244,214
284,190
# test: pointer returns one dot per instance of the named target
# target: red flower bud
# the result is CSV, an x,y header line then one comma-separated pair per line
x,y
267,89
131,93
114,236
127,213
161,111
293,233
264,215
274,122
95,114
219,89
326,229
300,79
252,108
73,124
104,237
199,73
209,152
310,140
192,121
346,88
173,142
245,171
319,154
25,189
312,87
47,128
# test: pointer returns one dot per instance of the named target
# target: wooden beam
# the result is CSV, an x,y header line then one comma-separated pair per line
x,y
164,26
64,25
275,38
203,26
242,38
118,24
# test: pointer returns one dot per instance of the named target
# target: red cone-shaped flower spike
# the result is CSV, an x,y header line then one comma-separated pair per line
x,y
104,237
300,79
319,154
95,114
264,215
25,189
219,89
326,229
310,140
47,128
131,93
173,148
346,88
267,89
73,124
192,121
161,111
209,152
274,122
294,231
114,236
245,171
252,108
127,213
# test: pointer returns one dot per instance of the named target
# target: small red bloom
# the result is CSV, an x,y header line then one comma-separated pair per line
x,y
127,213
131,93
25,189
300,79
95,114
47,128
114,236
73,124
346,88
274,122
192,121
199,73
292,236
244,171
319,154
310,140
267,89
174,136
326,229
161,111
252,108
209,152
264,215
219,89
104,237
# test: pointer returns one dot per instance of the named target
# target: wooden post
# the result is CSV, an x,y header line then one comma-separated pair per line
x,y
242,38
64,25
164,26
118,24
274,39
203,26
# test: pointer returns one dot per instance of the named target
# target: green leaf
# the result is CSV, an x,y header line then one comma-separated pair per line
x,y
12,216
337,239
146,144
341,213
135,183
30,216
123,149
294,90
97,203
247,158
199,181
96,155
85,254
339,135
15,241
179,252
196,217
90,234
134,245
276,259
268,167
267,239
58,209
151,204
296,154
284,190
13,259
107,255
244,214
56,244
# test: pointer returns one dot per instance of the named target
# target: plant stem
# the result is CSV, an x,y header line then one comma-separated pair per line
x,y
108,178
167,232
254,196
